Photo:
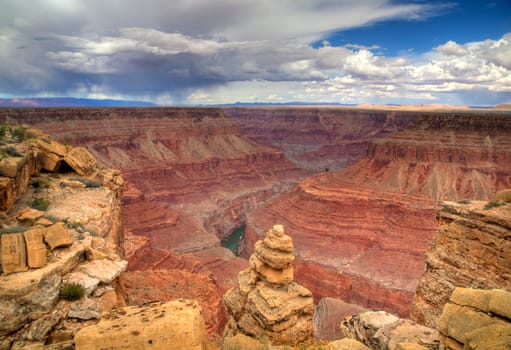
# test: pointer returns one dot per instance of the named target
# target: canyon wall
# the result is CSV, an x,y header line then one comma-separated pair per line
x,y
361,232
315,138
360,227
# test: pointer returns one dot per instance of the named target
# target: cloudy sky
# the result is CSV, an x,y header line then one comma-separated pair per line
x,y
223,51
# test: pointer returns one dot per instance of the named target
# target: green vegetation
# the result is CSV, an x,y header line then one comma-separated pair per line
x,y
87,182
40,203
14,229
464,201
72,291
41,182
15,134
12,152
73,225
494,204
19,133
51,218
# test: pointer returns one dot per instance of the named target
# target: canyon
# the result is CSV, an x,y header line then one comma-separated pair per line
x,y
356,189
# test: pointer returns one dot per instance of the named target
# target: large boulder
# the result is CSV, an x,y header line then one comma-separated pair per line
x,y
173,325
57,236
81,161
477,319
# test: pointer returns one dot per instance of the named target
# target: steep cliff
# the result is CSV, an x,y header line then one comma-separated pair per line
x,y
362,231
472,248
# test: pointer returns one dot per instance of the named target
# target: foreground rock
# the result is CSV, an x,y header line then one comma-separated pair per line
x,y
381,330
472,248
476,319
163,326
73,237
267,300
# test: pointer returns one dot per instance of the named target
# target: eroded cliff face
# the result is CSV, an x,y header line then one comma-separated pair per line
x,y
471,248
364,230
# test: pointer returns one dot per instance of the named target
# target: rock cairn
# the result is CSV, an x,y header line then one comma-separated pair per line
x,y
267,301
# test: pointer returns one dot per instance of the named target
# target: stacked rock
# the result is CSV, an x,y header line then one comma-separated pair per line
x,y
267,301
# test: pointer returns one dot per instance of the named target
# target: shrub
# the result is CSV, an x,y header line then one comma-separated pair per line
x,y
72,291
51,218
14,229
12,151
41,182
87,182
494,204
73,225
464,201
40,203
19,133
3,130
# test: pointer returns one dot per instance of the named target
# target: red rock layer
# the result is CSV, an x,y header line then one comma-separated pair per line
x,y
318,138
361,233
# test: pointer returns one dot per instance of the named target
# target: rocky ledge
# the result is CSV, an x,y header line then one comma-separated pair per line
x,y
59,240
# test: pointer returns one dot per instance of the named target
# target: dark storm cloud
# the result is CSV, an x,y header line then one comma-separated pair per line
x,y
167,51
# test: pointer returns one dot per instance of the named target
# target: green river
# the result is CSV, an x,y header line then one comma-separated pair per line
x,y
232,242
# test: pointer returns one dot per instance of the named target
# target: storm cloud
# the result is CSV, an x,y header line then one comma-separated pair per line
x,y
197,51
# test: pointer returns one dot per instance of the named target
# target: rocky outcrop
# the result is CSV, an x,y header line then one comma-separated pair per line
x,y
171,325
470,249
476,319
267,300
362,232
383,331
73,238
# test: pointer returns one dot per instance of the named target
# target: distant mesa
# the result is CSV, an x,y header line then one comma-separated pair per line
x,y
70,102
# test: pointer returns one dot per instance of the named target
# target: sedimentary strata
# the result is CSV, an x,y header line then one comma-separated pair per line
x,y
362,232
471,248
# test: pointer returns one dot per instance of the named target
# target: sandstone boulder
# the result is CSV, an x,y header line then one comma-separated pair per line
x,y
267,300
57,236
10,166
347,344
477,319
14,255
504,195
381,330
104,270
81,161
175,325
29,215
241,341
36,250
51,154
85,309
